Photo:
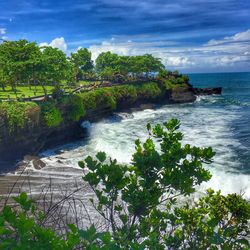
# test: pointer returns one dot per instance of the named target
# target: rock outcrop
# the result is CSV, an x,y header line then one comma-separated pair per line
x,y
207,91
182,95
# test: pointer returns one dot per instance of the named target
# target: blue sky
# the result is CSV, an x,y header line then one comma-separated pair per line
x,y
189,35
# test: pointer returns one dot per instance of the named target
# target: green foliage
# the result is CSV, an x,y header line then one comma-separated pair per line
x,y
52,66
22,62
111,96
106,60
140,201
149,91
98,98
20,229
214,222
17,61
109,64
73,104
171,80
141,204
51,114
82,63
16,114
125,93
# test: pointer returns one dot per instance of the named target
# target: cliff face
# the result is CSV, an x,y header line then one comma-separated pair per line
x,y
36,136
181,95
32,140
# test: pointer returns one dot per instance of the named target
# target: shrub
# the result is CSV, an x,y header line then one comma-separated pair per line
x,y
51,114
140,204
73,105
18,114
20,229
110,96
149,91
98,98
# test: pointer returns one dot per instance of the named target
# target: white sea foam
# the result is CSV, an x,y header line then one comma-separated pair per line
x,y
202,125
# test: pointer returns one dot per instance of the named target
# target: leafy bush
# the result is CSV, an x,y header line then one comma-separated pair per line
x,y
110,96
125,92
149,91
51,114
140,204
21,229
17,114
98,98
73,104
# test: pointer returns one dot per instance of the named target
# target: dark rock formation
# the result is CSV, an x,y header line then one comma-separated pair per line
x,y
182,95
32,140
207,91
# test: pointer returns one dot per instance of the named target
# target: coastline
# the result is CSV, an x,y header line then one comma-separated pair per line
x,y
39,139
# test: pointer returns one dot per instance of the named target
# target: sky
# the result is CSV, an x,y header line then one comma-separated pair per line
x,y
188,35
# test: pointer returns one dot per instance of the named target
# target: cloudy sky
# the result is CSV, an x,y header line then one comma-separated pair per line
x,y
189,35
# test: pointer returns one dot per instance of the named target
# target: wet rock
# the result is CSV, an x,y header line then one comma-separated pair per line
x,y
207,91
38,164
182,95
35,160
147,106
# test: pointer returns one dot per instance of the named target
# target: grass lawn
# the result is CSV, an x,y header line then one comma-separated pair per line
x,y
24,91
87,82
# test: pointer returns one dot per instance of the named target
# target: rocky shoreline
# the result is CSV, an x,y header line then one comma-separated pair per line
x,y
40,138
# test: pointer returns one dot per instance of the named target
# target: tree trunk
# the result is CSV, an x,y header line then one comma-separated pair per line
x,y
44,90
3,87
14,89
29,84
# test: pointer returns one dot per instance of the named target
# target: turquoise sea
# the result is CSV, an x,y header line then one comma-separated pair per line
x,y
235,101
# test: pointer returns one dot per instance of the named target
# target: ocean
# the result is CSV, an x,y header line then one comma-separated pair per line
x,y
221,122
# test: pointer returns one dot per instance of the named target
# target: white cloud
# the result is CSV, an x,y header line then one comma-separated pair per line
x,y
57,43
2,31
238,37
119,48
178,61
214,55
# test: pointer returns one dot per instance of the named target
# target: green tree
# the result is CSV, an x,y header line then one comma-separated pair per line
x,y
3,80
17,60
147,64
106,60
125,65
82,62
52,67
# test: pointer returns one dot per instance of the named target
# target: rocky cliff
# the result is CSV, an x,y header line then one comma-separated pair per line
x,y
33,138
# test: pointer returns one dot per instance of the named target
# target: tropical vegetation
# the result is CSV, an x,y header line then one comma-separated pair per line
x,y
26,69
145,204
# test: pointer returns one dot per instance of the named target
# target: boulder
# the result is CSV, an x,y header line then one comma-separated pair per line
x,y
38,164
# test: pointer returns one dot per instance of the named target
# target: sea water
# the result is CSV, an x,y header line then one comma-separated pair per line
x,y
221,122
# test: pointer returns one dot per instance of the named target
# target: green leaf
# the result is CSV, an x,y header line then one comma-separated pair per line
x,y
101,156
244,242
148,126
81,164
